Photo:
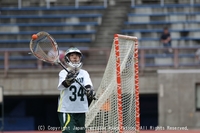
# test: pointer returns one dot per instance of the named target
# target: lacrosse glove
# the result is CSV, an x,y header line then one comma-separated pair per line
x,y
70,78
90,93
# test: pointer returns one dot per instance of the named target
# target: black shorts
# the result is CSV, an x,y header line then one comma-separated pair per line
x,y
72,122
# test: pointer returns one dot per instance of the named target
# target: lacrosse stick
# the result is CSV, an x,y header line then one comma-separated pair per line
x,y
44,47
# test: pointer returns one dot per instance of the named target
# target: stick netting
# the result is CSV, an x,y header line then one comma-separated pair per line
x,y
44,47
104,114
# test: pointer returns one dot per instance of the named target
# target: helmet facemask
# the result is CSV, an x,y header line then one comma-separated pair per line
x,y
73,66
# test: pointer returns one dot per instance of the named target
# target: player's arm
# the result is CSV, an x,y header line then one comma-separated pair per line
x,y
65,81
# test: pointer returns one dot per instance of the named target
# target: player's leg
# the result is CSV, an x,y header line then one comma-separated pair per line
x,y
67,122
80,122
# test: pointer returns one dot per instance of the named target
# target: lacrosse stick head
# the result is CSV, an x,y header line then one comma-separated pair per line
x,y
45,48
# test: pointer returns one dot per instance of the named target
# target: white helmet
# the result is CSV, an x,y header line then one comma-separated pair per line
x,y
76,65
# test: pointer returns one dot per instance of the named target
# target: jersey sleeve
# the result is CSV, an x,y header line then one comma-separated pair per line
x,y
62,76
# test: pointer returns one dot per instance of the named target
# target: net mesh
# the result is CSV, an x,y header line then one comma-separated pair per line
x,y
103,115
44,47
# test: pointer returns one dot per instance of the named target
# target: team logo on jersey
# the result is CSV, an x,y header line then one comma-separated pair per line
x,y
80,79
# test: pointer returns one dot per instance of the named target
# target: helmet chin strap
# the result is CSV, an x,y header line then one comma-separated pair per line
x,y
75,66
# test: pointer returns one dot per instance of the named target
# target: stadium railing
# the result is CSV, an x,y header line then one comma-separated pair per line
x,y
18,58
175,58
21,58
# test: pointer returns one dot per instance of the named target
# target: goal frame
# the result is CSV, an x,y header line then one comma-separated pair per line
x,y
117,108
119,90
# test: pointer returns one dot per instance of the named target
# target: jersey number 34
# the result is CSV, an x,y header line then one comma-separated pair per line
x,y
75,95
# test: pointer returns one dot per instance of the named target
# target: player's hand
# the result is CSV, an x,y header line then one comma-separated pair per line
x,y
70,78
90,93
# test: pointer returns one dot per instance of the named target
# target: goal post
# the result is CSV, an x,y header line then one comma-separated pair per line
x,y
117,108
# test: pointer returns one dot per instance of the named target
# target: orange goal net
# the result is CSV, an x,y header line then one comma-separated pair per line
x,y
117,108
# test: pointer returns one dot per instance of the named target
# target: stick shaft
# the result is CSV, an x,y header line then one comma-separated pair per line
x,y
75,79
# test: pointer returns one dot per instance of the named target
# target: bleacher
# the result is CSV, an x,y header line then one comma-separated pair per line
x,y
67,27
68,24
77,25
147,22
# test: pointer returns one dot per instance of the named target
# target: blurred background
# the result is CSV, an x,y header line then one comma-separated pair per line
x,y
169,75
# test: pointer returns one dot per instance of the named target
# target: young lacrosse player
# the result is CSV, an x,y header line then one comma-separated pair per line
x,y
74,100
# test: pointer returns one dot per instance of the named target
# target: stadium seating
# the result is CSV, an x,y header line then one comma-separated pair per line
x,y
147,23
76,26
182,24
69,25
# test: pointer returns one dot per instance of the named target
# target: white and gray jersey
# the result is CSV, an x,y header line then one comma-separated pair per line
x,y
73,99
